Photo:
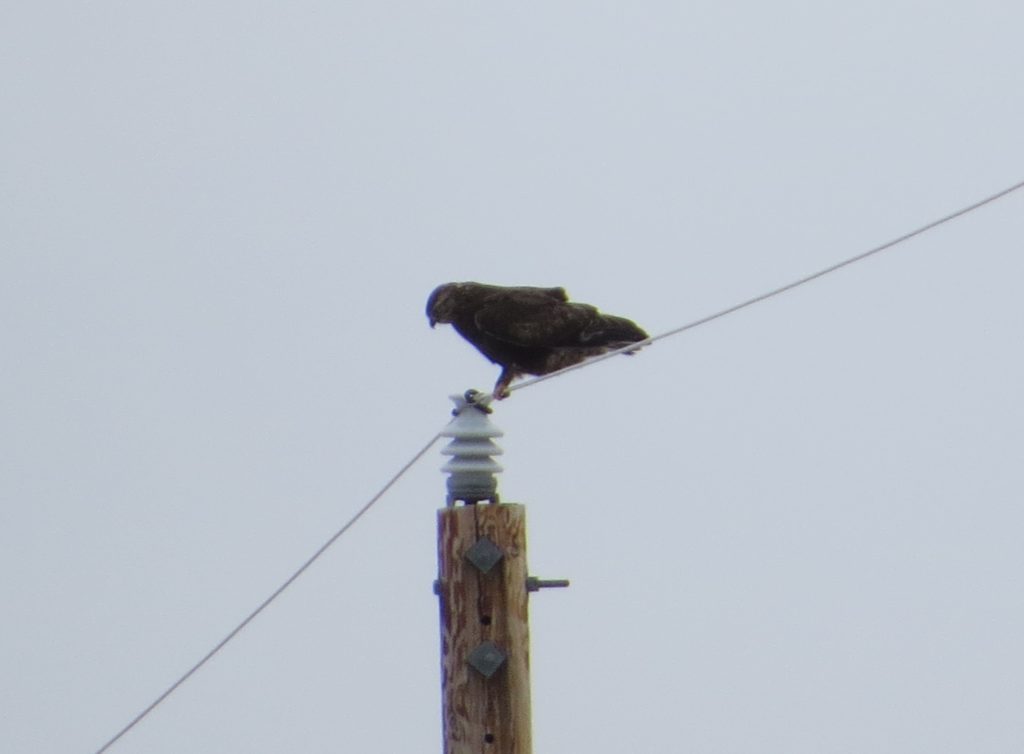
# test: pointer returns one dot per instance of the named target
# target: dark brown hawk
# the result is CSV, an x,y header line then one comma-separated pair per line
x,y
528,330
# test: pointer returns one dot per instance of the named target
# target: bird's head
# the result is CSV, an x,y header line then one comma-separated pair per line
x,y
441,304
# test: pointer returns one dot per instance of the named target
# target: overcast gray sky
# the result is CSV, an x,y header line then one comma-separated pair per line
x,y
796,530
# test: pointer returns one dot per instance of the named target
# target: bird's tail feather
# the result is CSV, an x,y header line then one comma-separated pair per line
x,y
614,332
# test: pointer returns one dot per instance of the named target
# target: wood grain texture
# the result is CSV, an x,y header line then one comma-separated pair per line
x,y
484,715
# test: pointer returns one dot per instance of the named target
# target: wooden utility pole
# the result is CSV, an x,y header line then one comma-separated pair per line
x,y
483,585
485,660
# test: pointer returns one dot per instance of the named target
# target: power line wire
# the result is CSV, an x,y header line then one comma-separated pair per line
x,y
276,593
526,383
769,294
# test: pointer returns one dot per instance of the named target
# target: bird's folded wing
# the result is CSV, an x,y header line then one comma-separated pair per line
x,y
529,322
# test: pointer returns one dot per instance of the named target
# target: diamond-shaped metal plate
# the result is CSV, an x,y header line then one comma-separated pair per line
x,y
484,554
486,659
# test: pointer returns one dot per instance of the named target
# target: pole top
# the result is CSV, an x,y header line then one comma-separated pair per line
x,y
471,469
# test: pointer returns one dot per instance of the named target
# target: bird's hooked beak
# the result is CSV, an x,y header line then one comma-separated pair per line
x,y
433,322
